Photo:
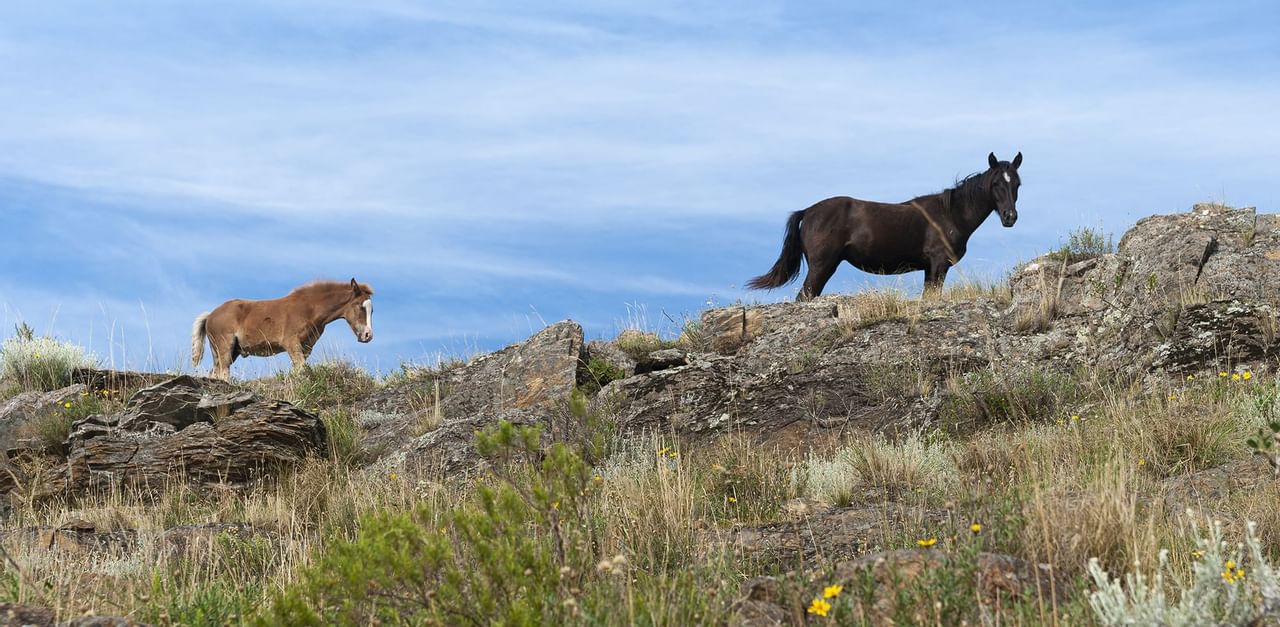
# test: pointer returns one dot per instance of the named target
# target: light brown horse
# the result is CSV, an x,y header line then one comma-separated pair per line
x,y
291,324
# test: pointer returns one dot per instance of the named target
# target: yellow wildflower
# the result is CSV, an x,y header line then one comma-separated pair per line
x,y
1173,397
1197,554
599,479
1235,377
1246,376
926,543
732,499
1191,377
1075,418
393,476
975,528
831,592
1142,462
67,404
1231,565
819,607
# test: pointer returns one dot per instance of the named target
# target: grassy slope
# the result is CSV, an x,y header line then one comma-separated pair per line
x,y
632,538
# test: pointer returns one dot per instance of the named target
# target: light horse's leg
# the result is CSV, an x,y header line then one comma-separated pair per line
x,y
222,348
297,355
299,349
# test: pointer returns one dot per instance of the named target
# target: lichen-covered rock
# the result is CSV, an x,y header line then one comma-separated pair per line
x,y
1183,292
661,360
18,414
76,536
17,615
197,542
608,353
189,429
525,383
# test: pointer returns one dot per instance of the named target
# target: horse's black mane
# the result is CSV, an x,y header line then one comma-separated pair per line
x,y
966,192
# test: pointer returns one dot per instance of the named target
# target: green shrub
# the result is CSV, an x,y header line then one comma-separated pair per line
x,y
508,556
1085,243
212,604
601,373
343,435
984,397
330,384
39,362
53,428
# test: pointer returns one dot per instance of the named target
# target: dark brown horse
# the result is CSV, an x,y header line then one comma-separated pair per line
x,y
292,324
927,233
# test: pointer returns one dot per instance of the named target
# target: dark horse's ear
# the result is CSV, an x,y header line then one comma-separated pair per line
x,y
1017,161
992,160
355,287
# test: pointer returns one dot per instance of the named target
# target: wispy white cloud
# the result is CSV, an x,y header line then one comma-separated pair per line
x,y
489,153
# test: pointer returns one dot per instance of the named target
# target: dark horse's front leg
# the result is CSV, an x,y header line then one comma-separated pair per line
x,y
934,275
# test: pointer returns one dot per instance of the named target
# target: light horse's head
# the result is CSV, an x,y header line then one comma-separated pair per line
x,y
1004,182
358,312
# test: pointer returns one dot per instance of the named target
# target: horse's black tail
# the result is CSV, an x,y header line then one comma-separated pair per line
x,y
787,268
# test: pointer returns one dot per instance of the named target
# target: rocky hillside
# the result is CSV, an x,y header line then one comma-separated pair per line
x,y
1195,292
1183,297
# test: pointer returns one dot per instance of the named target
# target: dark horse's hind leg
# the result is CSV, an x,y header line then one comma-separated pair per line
x,y
820,271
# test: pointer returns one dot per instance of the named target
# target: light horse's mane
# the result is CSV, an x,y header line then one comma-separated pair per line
x,y
327,285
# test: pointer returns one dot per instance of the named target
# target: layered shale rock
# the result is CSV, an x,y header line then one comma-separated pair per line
x,y
182,429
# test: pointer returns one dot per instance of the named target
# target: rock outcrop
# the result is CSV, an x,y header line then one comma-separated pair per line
x,y
183,429
17,615
18,414
1185,292
526,384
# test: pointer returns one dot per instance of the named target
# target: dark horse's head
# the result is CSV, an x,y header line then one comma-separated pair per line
x,y
1002,180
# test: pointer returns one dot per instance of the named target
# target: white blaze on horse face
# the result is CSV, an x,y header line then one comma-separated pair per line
x,y
368,314
1006,178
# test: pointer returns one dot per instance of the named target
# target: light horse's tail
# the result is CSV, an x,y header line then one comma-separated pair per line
x,y
787,268
197,339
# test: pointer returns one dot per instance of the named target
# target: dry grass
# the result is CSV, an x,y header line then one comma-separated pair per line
x,y
876,462
967,290
1073,467
1038,319
873,307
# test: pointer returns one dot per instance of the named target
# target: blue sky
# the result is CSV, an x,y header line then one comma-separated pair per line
x,y
488,166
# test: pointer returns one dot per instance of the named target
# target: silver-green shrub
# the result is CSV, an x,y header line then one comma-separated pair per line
x,y
1229,585
39,362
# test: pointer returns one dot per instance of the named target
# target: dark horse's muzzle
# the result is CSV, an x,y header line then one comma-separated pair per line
x,y
1008,216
